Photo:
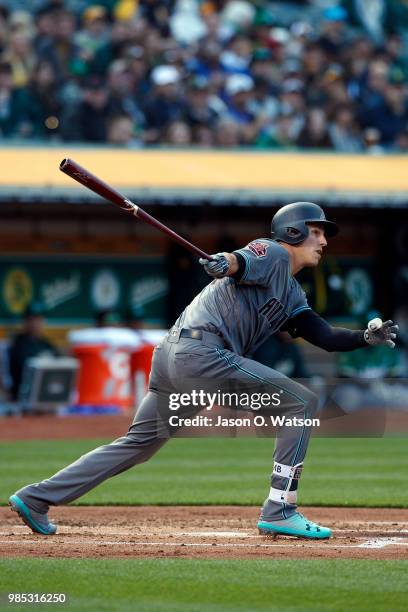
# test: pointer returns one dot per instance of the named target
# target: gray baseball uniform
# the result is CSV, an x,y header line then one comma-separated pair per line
x,y
235,317
247,312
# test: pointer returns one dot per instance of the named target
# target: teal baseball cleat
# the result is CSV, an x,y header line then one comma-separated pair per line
x,y
37,521
296,525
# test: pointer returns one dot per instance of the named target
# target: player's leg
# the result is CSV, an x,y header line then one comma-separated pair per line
x,y
73,481
144,438
296,401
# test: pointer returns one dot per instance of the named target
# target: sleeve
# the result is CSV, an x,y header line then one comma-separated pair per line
x,y
256,262
313,328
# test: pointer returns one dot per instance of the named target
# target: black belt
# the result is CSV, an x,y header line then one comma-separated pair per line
x,y
196,334
208,338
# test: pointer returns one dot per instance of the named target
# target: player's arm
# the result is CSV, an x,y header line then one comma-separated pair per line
x,y
313,328
254,264
221,264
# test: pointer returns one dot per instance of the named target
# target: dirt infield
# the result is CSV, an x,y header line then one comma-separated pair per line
x,y
216,532
51,427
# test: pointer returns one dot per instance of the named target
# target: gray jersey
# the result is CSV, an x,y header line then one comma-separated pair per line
x,y
246,312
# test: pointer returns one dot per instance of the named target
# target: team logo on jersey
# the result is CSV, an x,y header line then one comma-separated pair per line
x,y
259,249
275,313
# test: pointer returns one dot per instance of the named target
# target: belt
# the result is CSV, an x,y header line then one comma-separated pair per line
x,y
207,338
196,334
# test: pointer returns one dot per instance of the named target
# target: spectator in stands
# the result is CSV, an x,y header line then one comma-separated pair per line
x,y
45,24
122,100
138,70
401,142
119,39
372,139
201,109
60,49
12,107
206,62
4,15
203,136
314,134
343,131
121,131
178,134
164,62
334,35
227,134
239,93
165,104
42,102
30,342
389,114
19,53
292,103
92,114
263,102
94,33
282,134
237,57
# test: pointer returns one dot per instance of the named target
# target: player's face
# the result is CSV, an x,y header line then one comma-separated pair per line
x,y
312,247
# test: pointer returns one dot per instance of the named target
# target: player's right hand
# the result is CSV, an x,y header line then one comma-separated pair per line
x,y
378,332
217,267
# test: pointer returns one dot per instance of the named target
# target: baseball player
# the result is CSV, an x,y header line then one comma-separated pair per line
x,y
253,295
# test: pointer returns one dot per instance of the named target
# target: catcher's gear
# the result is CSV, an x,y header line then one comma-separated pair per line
x,y
217,267
378,332
289,224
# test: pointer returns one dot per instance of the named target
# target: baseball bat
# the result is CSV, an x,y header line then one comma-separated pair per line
x,y
92,182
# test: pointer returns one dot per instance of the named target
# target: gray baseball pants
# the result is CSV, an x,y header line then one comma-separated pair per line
x,y
176,362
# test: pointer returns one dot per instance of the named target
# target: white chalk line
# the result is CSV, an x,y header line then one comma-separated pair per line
x,y
377,543
190,534
382,543
237,534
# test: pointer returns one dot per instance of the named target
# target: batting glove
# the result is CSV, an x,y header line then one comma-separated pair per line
x,y
378,332
217,267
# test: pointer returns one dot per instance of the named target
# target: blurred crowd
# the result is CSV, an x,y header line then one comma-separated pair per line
x,y
297,74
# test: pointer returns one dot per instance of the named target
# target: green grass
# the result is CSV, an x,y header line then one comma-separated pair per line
x,y
354,472
209,586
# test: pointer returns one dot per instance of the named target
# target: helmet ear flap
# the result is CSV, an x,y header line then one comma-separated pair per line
x,y
292,232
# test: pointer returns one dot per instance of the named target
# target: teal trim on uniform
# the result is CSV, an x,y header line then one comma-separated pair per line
x,y
299,309
301,438
238,367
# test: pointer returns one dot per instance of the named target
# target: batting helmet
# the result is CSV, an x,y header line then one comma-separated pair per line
x,y
289,224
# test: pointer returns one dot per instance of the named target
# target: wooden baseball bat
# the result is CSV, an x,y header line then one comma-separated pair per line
x,y
92,182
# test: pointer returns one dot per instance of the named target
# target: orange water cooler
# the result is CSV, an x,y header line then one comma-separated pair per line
x,y
141,360
105,366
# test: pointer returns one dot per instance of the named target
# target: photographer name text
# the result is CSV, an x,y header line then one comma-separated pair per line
x,y
257,421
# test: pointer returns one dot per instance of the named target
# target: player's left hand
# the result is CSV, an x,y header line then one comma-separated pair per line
x,y
217,267
378,332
